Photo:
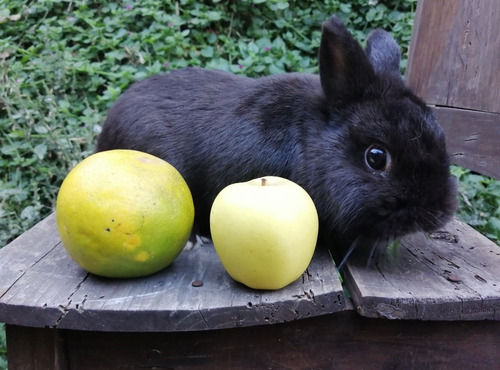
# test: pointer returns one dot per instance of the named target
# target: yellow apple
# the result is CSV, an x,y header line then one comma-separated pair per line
x,y
264,231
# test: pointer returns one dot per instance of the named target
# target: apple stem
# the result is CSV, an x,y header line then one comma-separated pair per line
x,y
263,181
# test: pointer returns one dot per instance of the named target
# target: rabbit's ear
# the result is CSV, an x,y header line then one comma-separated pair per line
x,y
344,68
383,52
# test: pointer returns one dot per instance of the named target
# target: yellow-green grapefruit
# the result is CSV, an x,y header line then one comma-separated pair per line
x,y
124,213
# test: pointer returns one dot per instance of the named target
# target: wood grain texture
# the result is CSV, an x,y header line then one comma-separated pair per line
x,y
21,254
453,274
454,64
54,291
473,138
454,58
343,340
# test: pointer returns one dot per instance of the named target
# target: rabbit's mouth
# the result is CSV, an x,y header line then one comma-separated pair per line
x,y
369,244
373,238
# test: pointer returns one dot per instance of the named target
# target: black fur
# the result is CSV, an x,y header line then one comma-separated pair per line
x,y
217,128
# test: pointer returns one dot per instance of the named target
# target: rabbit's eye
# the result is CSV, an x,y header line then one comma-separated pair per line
x,y
377,158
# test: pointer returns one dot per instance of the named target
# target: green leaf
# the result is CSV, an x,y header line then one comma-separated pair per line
x,y
28,213
40,150
207,52
345,8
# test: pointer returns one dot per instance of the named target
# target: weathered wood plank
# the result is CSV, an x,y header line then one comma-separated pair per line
x,y
473,138
454,62
25,251
454,58
449,275
343,340
54,291
172,302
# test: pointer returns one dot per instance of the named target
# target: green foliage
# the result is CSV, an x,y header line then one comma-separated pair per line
x,y
479,198
3,348
64,62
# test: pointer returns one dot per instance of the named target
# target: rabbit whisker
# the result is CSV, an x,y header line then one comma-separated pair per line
x,y
352,247
375,249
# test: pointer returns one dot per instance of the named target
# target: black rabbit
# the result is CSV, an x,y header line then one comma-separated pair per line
x,y
367,150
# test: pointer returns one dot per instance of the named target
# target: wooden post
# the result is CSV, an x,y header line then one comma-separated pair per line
x,y
454,64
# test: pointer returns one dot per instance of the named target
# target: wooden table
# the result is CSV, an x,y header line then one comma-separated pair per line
x,y
434,304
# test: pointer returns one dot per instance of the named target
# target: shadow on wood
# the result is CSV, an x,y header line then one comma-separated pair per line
x,y
338,341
